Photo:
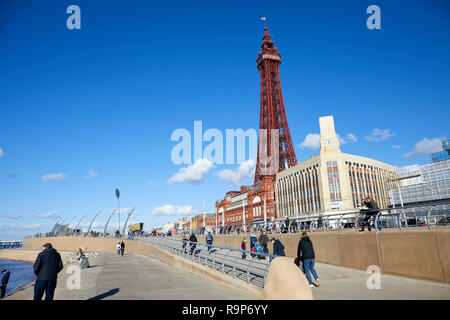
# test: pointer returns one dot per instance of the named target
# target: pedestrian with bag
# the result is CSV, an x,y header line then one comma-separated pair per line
x,y
278,248
305,252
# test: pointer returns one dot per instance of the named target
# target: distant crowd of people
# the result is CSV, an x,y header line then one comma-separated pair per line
x,y
46,235
305,252
259,246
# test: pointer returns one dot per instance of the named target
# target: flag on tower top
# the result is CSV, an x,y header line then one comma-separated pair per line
x,y
263,18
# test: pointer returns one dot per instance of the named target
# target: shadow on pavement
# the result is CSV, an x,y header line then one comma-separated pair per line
x,y
105,295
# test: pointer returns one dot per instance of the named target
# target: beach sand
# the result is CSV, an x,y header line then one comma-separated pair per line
x,y
29,255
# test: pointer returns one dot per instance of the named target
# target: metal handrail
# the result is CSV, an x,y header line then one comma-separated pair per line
x,y
229,260
293,225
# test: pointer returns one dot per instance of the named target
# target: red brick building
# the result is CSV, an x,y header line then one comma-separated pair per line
x,y
197,221
256,202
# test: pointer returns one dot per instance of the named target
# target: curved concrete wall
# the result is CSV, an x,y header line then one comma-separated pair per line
x,y
422,254
284,273
277,288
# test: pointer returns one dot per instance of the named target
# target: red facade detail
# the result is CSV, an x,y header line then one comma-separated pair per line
x,y
272,112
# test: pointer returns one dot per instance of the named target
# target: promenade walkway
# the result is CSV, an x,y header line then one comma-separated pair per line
x,y
136,277
139,277
349,284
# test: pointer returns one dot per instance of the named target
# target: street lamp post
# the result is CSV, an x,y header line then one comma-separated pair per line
x,y
243,213
118,204
217,214
265,213
204,225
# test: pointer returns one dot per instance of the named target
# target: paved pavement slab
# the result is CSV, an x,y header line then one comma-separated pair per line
x,y
112,277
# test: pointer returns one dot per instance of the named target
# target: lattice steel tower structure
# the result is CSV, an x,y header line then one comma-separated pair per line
x,y
272,112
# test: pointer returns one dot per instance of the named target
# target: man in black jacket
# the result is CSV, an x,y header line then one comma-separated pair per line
x,y
264,241
305,252
122,248
46,267
193,242
278,248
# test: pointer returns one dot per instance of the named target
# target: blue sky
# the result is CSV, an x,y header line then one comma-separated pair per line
x,y
107,98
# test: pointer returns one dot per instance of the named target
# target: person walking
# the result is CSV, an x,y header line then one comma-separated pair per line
x,y
278,248
305,252
183,244
193,242
118,247
243,247
46,267
209,241
122,248
264,240
253,240
4,282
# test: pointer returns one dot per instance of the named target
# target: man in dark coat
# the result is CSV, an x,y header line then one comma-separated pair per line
x,y
278,248
264,241
46,267
4,282
122,248
209,241
193,240
305,252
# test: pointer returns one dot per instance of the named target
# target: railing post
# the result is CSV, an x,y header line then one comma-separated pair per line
x,y
234,266
248,269
377,222
265,273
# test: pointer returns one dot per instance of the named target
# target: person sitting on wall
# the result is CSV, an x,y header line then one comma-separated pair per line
x,y
371,210
84,262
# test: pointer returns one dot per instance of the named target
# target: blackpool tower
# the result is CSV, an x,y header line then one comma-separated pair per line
x,y
275,148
